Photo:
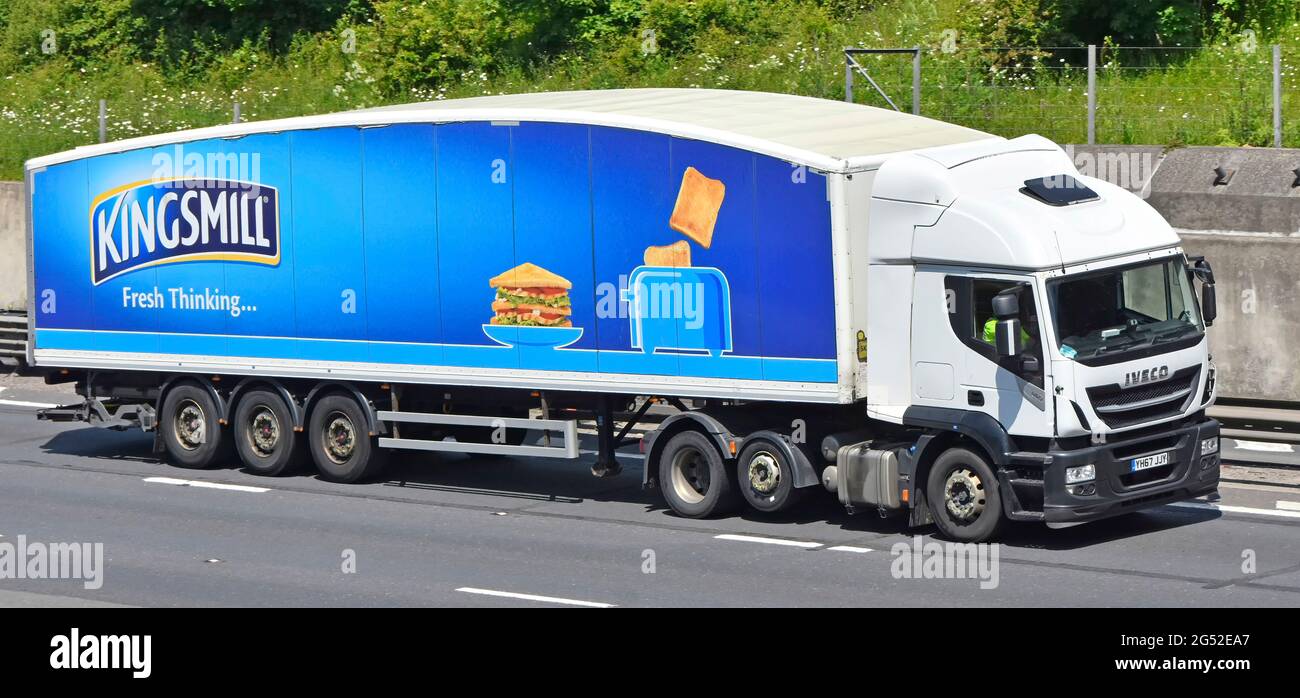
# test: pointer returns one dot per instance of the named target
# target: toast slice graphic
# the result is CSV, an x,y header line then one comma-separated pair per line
x,y
528,275
698,202
677,254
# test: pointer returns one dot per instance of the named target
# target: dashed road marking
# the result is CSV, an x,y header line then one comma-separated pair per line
x,y
534,597
770,541
205,485
1228,508
1287,505
849,549
23,403
1264,446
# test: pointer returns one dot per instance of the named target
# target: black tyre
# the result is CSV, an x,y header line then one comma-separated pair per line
x,y
765,477
340,444
264,435
694,478
191,432
962,492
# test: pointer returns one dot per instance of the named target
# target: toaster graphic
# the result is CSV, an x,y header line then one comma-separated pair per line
x,y
679,309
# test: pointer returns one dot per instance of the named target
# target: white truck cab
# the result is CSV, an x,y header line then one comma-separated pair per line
x,y
1054,324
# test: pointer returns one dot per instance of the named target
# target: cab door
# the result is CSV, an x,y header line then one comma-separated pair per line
x,y
951,327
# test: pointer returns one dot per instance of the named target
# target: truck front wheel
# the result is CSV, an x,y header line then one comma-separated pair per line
x,y
962,492
694,478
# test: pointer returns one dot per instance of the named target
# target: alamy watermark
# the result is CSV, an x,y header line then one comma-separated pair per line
x,y
943,560
33,560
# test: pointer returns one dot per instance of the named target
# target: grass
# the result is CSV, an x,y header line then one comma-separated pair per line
x,y
1208,96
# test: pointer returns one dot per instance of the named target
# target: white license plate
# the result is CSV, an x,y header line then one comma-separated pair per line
x,y
1148,462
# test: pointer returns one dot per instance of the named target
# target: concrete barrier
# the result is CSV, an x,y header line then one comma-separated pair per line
x,y
1256,339
13,247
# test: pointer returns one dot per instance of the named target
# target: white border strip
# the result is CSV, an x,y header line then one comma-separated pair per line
x,y
534,597
770,541
203,484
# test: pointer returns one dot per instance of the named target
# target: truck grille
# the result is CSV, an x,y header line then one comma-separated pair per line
x,y
1119,407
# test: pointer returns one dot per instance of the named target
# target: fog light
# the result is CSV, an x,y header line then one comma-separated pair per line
x,y
1210,445
1081,473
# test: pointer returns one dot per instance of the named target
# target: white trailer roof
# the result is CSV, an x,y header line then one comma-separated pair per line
x,y
821,133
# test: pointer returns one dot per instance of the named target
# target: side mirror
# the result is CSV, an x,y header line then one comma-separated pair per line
x,y
1006,305
1209,304
1007,334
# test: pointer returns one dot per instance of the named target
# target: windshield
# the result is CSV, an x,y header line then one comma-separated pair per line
x,y
1119,310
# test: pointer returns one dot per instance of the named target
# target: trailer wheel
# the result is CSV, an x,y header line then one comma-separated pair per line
x,y
962,492
765,477
694,478
190,429
264,436
340,445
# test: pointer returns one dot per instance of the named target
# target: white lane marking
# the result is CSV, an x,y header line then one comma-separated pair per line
x,y
1264,446
21,403
770,541
1237,510
205,485
534,597
849,549
1288,506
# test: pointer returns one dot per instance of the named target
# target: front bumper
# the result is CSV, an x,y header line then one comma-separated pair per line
x,y
1117,489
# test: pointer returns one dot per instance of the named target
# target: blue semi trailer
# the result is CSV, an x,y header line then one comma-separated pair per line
x,y
428,276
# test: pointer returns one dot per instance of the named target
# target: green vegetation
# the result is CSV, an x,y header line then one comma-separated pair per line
x,y
164,65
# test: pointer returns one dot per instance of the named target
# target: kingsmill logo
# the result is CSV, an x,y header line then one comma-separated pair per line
x,y
168,221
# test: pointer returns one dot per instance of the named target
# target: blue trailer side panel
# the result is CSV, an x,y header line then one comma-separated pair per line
x,y
364,247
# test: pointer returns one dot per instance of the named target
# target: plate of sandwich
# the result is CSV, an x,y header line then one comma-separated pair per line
x,y
531,307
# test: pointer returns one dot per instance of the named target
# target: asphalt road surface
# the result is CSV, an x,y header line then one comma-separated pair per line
x,y
457,530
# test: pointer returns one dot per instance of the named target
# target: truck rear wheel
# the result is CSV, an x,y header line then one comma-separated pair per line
x,y
766,478
694,478
338,440
191,432
962,492
264,436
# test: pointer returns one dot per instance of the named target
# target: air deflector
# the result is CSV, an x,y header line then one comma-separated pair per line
x,y
1059,190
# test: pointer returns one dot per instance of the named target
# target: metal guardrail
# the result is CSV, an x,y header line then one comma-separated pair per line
x,y
13,336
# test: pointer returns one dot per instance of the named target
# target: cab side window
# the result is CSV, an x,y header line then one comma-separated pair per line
x,y
970,312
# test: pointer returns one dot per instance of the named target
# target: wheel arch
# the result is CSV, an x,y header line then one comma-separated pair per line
x,y
373,425
805,475
244,386
179,380
698,421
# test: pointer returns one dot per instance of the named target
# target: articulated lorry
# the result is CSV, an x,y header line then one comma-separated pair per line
x,y
921,318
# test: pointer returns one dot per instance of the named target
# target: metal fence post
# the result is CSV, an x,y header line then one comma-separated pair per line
x,y
1092,94
1277,96
103,121
848,78
916,80
237,119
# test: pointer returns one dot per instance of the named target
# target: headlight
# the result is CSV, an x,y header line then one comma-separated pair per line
x,y
1210,445
1081,473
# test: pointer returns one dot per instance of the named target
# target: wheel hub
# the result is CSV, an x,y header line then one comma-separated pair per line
x,y
264,431
963,494
690,475
190,425
764,473
340,438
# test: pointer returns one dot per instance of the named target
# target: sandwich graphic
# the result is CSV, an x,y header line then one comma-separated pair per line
x,y
530,296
